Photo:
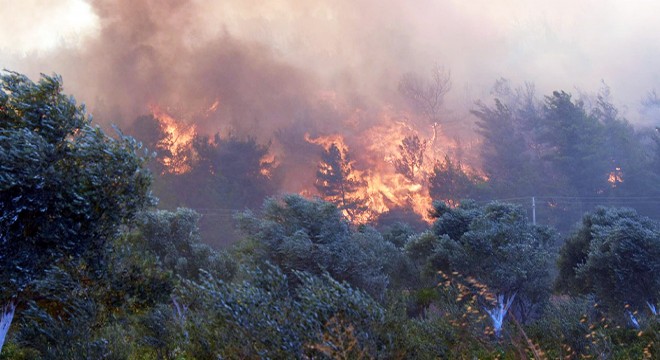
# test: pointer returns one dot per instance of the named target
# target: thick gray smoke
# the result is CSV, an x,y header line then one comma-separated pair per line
x,y
261,60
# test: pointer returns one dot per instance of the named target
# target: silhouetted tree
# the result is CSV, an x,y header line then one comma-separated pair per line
x,y
575,144
411,157
506,159
450,183
337,183
150,132
239,170
427,95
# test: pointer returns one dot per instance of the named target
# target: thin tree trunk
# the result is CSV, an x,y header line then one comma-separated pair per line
x,y
5,321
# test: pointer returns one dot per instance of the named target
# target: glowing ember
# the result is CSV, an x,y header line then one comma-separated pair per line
x,y
615,177
268,163
213,107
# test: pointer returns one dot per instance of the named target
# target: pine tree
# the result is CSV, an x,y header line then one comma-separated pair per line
x,y
412,157
450,183
337,183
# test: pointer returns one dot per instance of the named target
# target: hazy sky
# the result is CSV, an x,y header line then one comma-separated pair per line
x,y
366,44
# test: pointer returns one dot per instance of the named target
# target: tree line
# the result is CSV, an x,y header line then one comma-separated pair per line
x,y
90,270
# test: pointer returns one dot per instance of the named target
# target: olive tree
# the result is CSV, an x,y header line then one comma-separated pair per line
x,y
495,245
65,186
614,254
312,235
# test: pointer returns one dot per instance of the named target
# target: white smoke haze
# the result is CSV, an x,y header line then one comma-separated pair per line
x,y
266,61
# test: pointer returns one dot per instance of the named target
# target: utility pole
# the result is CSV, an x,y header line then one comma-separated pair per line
x,y
533,210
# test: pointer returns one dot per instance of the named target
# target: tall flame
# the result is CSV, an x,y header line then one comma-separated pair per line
x,y
375,146
379,147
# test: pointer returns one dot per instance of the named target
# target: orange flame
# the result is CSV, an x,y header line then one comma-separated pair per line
x,y
384,188
389,189
328,140
268,163
213,107
615,177
176,143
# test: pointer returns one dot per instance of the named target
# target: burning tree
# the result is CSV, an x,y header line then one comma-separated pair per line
x,y
237,170
427,95
412,157
337,183
450,183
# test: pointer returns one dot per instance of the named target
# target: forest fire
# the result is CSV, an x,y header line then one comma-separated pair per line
x,y
385,168
382,163
333,178
176,143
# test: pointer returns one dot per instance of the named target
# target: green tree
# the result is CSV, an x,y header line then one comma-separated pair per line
x,y
337,183
259,315
506,158
173,238
615,254
574,144
311,235
496,245
65,186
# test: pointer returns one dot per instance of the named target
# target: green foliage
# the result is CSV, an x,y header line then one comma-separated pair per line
x,y
398,234
270,311
65,186
578,328
130,309
418,338
507,161
419,248
311,235
454,222
262,316
173,238
494,244
69,335
563,327
148,262
64,321
616,255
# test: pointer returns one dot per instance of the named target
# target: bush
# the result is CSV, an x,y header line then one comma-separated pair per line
x,y
262,316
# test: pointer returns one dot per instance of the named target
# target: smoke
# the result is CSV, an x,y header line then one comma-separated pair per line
x,y
263,59
271,68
